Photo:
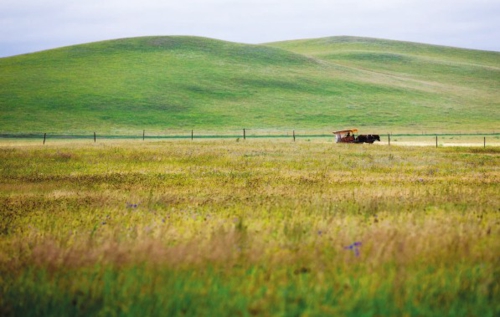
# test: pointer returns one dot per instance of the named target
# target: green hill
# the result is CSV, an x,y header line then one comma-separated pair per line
x,y
181,83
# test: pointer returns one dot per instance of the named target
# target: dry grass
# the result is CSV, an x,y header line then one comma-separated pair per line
x,y
258,219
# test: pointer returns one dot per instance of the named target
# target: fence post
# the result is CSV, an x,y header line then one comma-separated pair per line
x,y
389,138
44,137
95,138
244,134
293,135
143,134
484,142
436,140
192,135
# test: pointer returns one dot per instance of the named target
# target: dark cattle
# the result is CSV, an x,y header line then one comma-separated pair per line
x,y
361,138
370,138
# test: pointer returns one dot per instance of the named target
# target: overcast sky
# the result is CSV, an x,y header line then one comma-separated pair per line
x,y
34,25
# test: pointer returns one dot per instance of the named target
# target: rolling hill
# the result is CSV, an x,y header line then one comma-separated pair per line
x,y
178,83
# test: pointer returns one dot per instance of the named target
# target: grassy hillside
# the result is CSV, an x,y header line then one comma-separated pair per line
x,y
181,83
440,85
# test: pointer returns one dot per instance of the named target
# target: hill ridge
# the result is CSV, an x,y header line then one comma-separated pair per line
x,y
181,82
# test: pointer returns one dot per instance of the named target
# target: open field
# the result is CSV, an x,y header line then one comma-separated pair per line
x,y
256,227
264,226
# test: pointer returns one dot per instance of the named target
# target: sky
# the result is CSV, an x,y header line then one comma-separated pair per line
x,y
34,25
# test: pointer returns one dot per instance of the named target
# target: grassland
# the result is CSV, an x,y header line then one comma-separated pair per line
x,y
255,227
234,227
165,84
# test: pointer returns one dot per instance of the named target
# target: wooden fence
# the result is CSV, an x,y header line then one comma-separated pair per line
x,y
440,139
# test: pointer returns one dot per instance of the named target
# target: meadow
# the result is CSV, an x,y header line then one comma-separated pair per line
x,y
248,227
173,83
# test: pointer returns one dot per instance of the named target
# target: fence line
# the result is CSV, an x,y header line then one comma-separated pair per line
x,y
245,135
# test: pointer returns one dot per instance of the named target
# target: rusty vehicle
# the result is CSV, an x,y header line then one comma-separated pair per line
x,y
349,136
345,136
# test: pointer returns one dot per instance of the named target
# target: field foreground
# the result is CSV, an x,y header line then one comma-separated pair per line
x,y
260,227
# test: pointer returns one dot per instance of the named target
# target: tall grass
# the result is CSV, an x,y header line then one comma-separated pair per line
x,y
248,228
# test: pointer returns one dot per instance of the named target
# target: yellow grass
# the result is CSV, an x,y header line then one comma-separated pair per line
x,y
427,220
